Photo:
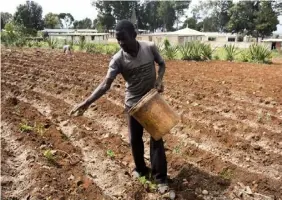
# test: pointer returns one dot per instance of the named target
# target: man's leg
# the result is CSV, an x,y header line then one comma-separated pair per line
x,y
158,160
137,145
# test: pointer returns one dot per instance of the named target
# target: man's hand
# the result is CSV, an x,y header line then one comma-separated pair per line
x,y
159,86
80,109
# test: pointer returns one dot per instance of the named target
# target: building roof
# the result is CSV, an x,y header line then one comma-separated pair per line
x,y
272,40
186,31
78,34
181,32
216,34
70,30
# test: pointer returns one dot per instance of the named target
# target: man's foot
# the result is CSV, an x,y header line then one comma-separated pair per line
x,y
136,174
163,188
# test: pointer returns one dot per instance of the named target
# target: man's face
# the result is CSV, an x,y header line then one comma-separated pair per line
x,y
125,41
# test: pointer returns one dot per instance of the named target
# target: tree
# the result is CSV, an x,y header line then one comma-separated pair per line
x,y
150,14
5,18
66,20
51,20
190,23
30,16
253,18
266,19
82,24
242,16
215,12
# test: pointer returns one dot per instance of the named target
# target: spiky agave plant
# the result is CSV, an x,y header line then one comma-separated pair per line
x,y
231,52
259,53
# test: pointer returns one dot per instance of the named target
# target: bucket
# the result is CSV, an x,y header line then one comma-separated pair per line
x,y
154,114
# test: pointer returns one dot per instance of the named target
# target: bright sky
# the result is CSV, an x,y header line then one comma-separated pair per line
x,y
80,9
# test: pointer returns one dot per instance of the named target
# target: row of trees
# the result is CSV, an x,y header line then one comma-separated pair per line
x,y
257,18
29,16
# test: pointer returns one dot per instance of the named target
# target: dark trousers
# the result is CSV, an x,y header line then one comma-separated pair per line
x,y
157,152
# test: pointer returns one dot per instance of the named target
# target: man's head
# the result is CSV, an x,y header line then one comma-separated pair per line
x,y
126,35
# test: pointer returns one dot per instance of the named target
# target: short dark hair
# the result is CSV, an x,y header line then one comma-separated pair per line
x,y
125,25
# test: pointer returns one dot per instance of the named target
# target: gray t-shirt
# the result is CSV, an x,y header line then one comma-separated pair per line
x,y
139,72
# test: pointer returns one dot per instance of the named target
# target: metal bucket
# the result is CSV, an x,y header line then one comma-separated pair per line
x,y
154,114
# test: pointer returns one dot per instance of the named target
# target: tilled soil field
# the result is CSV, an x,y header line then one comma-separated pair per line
x,y
227,146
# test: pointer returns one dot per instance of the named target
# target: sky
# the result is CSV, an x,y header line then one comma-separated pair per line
x,y
80,9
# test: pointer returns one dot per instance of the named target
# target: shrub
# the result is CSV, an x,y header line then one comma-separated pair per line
x,y
244,56
195,50
82,43
170,52
185,51
207,51
259,53
52,43
216,57
231,52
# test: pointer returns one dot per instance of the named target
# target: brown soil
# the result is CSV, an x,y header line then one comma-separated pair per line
x,y
230,135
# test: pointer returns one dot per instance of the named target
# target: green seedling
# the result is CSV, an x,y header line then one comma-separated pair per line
x,y
177,149
110,153
24,127
146,183
226,173
49,155
39,129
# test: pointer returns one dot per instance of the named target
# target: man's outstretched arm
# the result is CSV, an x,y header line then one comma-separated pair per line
x,y
98,92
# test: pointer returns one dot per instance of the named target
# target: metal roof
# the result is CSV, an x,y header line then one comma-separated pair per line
x,y
78,34
272,40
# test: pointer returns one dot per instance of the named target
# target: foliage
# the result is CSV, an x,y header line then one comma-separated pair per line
x,y
66,20
260,54
256,18
24,127
214,15
206,51
5,18
150,14
13,35
82,24
49,155
169,51
52,43
30,16
244,56
190,23
52,21
110,153
231,52
266,19
226,173
82,43
195,50
147,184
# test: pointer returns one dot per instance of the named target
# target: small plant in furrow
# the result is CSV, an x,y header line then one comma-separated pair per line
x,y
39,129
25,128
110,153
226,173
177,149
49,154
147,184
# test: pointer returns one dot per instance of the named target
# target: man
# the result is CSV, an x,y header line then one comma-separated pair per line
x,y
135,62
67,49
